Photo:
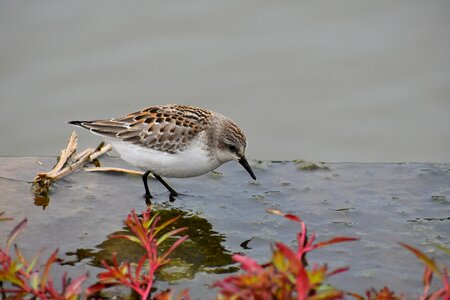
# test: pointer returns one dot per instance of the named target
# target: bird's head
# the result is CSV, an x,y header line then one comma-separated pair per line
x,y
232,144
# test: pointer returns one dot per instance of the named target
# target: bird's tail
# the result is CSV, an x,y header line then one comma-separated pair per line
x,y
78,123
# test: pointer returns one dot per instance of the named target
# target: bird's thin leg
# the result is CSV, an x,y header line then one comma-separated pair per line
x,y
148,195
173,193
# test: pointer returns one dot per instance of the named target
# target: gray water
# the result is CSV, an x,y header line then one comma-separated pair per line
x,y
381,204
322,80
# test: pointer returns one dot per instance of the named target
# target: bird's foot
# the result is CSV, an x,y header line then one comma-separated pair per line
x,y
172,197
148,198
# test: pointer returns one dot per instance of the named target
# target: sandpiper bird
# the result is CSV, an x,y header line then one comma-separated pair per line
x,y
173,141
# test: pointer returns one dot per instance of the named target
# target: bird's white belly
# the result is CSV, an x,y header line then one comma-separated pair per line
x,y
194,161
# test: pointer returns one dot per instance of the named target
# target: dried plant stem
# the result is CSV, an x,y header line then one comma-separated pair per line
x,y
121,170
102,149
64,166
65,155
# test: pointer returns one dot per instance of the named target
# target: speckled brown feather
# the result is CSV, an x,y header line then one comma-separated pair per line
x,y
168,128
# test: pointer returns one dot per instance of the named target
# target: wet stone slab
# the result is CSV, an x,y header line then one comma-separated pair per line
x,y
381,204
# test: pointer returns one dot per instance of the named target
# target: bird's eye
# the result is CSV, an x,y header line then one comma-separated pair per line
x,y
232,148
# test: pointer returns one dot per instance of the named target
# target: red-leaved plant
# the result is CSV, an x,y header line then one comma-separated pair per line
x,y
27,279
139,277
286,275
432,268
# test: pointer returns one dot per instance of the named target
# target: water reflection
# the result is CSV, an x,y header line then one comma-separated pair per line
x,y
202,252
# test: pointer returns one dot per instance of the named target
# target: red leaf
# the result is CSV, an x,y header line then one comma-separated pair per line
x,y
357,296
47,267
75,286
140,265
15,232
302,284
335,240
288,253
302,240
168,295
337,271
424,258
173,247
97,287
248,264
184,295
293,218
427,278
446,282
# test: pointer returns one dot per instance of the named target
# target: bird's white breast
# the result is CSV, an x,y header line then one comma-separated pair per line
x,y
193,161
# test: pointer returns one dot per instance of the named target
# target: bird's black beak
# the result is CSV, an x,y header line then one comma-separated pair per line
x,y
246,166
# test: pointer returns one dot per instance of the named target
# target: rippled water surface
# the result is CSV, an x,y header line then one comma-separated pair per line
x,y
382,204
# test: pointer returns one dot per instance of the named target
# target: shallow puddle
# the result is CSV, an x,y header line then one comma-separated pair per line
x,y
381,204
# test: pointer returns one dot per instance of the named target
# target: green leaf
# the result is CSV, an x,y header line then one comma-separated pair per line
x,y
128,237
328,295
165,224
34,280
3,218
279,261
424,258
32,264
442,248
169,234
16,266
12,278
147,223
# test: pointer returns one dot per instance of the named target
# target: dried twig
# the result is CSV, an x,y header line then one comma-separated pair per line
x,y
65,166
120,170
101,149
